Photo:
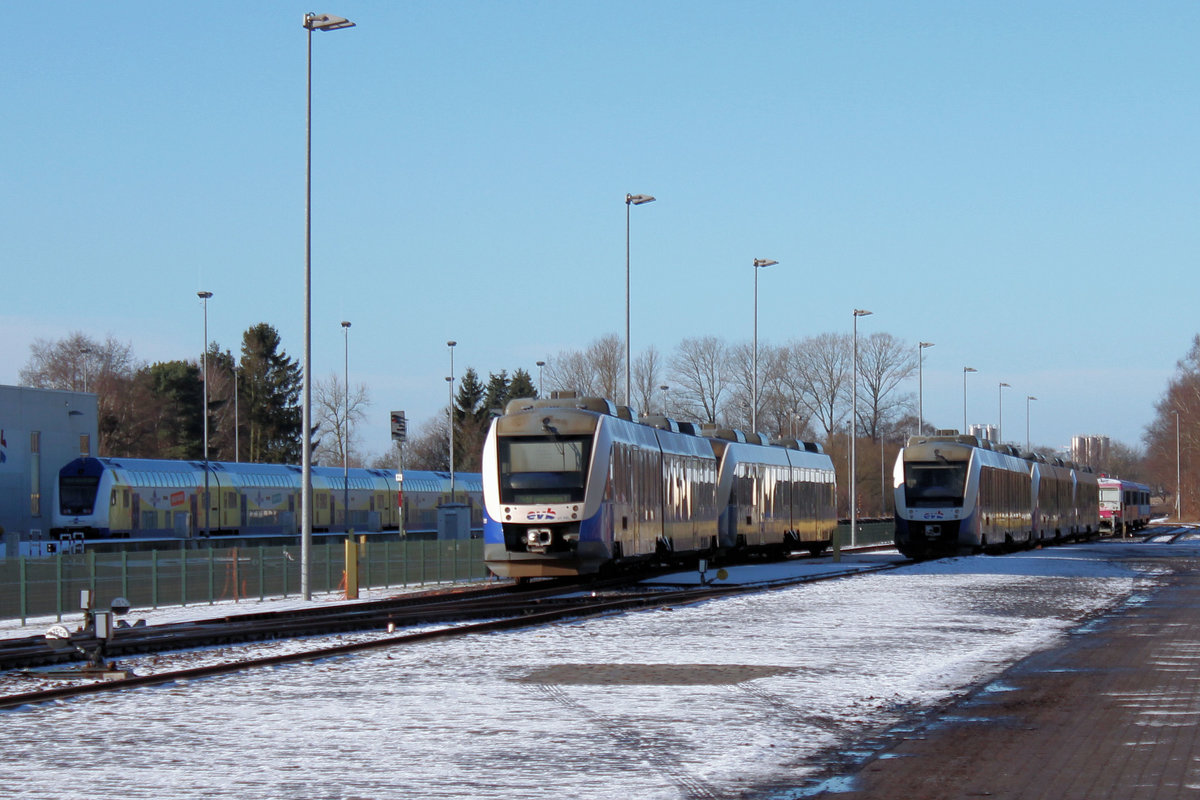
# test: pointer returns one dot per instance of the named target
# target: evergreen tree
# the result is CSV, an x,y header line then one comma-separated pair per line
x,y
177,419
496,398
468,438
270,385
521,385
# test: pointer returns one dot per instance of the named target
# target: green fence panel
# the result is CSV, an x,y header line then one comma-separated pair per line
x,y
50,585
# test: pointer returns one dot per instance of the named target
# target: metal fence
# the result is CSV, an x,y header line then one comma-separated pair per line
x,y
36,587
870,532
50,585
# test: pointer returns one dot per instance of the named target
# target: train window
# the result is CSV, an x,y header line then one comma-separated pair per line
x,y
934,484
77,494
543,470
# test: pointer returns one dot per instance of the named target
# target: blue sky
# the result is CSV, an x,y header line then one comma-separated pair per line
x,y
1015,182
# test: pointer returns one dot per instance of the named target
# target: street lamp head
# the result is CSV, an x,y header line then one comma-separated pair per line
x,y
638,199
540,363
664,387
451,343
449,379
969,369
204,295
1030,397
345,324
923,345
1003,385
764,262
325,22
860,312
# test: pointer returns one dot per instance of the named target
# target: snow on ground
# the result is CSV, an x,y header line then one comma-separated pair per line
x,y
717,699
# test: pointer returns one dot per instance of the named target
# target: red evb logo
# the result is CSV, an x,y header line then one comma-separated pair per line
x,y
541,516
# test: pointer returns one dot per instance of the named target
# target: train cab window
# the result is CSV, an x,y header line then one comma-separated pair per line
x,y
934,483
535,470
77,494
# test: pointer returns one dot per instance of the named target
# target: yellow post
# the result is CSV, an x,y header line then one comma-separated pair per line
x,y
351,569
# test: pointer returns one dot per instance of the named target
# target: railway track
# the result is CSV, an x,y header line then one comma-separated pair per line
x,y
498,610
412,609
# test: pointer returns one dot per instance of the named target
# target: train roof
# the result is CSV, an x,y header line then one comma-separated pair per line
x,y
257,473
605,407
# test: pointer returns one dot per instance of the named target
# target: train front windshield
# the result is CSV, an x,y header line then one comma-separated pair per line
x,y
935,484
77,494
539,470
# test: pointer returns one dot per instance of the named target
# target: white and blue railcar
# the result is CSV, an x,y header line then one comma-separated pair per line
x,y
955,493
572,485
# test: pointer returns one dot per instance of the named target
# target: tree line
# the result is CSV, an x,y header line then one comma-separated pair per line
x,y
1173,437
157,410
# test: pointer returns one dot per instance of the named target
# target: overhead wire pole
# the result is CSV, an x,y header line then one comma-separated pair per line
x,y
312,22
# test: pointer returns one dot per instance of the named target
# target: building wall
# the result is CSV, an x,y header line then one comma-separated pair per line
x,y
41,430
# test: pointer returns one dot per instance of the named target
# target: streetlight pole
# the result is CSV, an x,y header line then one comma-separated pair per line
x,y
312,22
666,408
1000,412
837,552
1178,485
204,368
346,432
1028,397
540,364
965,371
921,386
450,384
84,352
630,200
237,456
759,263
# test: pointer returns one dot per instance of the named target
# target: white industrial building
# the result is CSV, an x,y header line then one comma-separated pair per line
x,y
41,431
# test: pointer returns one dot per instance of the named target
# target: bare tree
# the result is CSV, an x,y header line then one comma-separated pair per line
x,y
607,357
739,374
699,381
596,372
569,371
821,366
430,450
80,363
332,413
647,378
883,363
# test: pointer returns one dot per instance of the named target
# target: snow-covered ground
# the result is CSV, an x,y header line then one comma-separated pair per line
x,y
724,698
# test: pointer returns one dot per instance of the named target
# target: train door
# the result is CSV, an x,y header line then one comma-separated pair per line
x,y
633,511
135,515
